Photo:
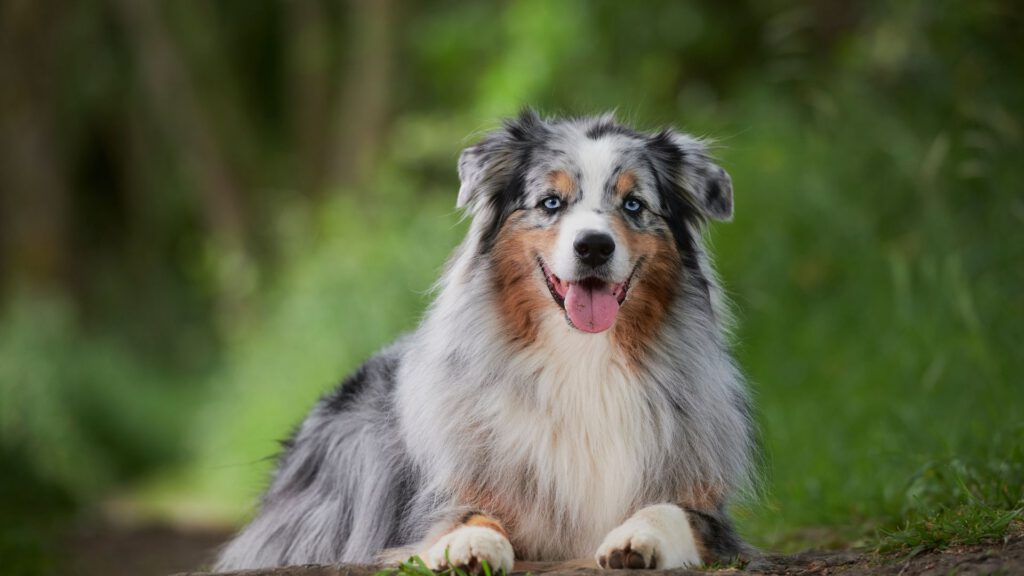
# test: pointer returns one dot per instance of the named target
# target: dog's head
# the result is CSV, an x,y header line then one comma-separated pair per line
x,y
590,219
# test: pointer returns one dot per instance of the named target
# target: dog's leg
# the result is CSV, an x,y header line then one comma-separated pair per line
x,y
658,536
717,540
667,536
476,539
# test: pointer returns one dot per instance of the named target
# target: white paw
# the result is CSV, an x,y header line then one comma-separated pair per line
x,y
468,546
656,537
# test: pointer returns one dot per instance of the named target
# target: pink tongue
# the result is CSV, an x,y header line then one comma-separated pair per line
x,y
591,309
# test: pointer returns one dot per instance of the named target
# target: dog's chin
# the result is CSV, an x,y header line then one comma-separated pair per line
x,y
590,304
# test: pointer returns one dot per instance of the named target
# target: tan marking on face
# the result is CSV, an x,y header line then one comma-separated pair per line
x,y
625,183
651,291
562,183
521,295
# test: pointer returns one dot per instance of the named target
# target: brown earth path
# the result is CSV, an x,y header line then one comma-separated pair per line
x,y
1004,557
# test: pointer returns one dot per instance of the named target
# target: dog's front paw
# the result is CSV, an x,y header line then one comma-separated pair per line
x,y
468,547
655,537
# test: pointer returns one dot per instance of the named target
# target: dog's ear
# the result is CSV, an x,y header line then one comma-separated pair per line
x,y
473,169
683,162
488,165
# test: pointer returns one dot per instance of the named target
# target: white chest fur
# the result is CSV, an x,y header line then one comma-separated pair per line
x,y
567,432
587,433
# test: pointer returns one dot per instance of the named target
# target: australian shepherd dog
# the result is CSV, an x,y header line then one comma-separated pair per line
x,y
569,394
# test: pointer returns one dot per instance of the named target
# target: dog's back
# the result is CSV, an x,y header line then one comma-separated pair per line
x,y
342,483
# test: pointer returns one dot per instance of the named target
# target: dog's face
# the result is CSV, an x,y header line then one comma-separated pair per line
x,y
589,219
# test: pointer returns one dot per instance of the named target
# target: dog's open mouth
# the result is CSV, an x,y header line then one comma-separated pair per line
x,y
591,304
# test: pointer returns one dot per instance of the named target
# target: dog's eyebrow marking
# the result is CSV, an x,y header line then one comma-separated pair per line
x,y
563,183
625,183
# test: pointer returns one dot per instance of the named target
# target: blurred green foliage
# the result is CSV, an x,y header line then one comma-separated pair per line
x,y
876,259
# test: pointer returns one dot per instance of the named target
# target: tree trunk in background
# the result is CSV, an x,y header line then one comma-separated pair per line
x,y
311,92
34,196
180,116
366,93
182,119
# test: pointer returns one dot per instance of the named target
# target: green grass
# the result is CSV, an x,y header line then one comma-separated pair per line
x,y
415,566
961,502
962,525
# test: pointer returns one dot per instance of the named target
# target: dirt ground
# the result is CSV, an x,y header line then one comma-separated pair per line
x,y
1005,557
101,549
159,551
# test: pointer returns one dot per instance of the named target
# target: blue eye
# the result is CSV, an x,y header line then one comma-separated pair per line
x,y
551,203
632,205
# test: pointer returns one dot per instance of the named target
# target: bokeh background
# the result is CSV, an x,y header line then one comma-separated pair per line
x,y
211,211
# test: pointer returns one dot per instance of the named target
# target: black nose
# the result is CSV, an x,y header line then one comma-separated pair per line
x,y
594,248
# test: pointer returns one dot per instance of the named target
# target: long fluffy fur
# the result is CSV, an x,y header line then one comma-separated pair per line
x,y
559,434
